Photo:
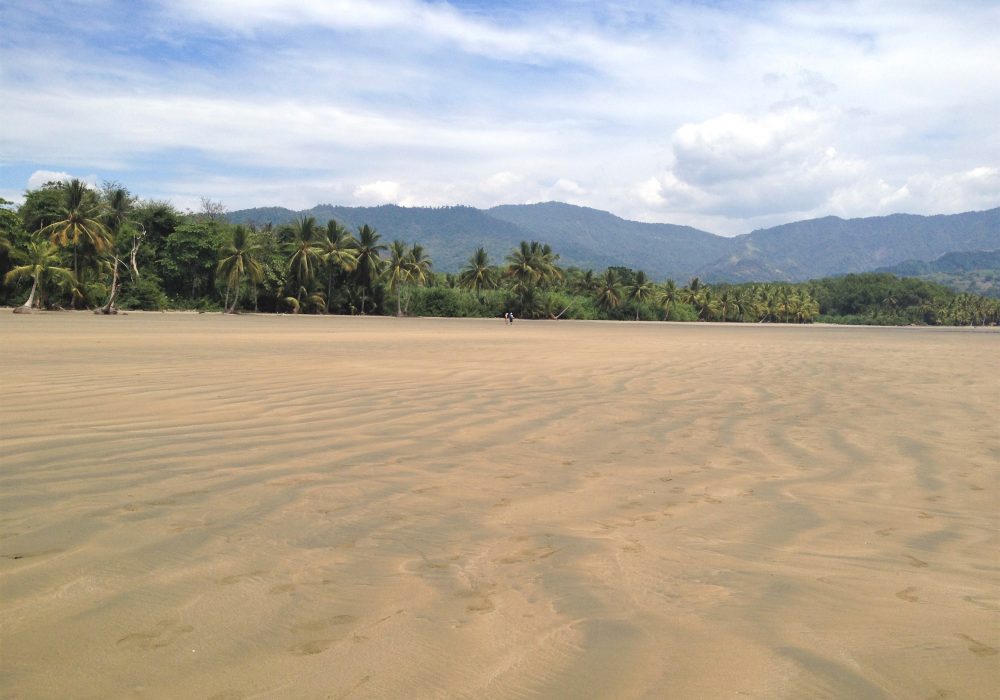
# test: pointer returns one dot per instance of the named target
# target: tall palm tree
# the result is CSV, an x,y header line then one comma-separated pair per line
x,y
369,260
79,223
608,295
669,296
478,274
338,255
398,271
306,255
420,269
420,265
641,289
42,264
239,258
118,206
727,302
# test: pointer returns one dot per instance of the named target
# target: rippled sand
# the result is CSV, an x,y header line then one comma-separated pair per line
x,y
202,506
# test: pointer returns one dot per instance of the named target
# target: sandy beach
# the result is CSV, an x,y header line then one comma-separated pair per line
x,y
208,506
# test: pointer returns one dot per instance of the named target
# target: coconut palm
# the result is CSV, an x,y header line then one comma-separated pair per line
x,y
306,255
398,271
608,295
79,223
420,265
478,274
369,260
42,264
239,260
669,296
338,255
641,289
420,269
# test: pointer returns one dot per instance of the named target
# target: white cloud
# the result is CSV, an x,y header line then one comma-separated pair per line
x,y
723,116
42,177
380,192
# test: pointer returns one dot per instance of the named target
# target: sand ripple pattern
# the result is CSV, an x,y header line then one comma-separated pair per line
x,y
244,507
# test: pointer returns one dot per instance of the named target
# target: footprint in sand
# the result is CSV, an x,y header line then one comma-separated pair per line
x,y
907,595
919,563
315,646
165,633
885,532
977,647
236,578
483,605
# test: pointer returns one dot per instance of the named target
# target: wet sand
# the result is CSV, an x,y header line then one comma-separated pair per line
x,y
202,506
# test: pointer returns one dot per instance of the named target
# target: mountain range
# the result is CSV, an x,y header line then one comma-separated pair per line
x,y
590,238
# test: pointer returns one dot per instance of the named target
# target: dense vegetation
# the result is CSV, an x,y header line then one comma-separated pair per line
x,y
70,246
976,271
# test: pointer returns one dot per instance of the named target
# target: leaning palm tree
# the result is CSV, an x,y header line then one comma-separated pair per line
x,y
478,274
306,255
640,290
42,264
239,258
369,260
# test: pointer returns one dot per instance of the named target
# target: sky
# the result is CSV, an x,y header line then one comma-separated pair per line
x,y
724,115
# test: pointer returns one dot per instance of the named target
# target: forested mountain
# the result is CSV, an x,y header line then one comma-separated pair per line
x,y
976,271
829,246
589,238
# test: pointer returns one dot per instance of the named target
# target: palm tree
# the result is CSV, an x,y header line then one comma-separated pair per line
x,y
727,302
690,293
420,269
398,271
608,293
478,274
369,260
640,290
337,253
669,296
118,207
420,264
239,259
42,264
306,255
79,224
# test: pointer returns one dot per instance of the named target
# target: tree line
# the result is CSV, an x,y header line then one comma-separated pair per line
x,y
72,246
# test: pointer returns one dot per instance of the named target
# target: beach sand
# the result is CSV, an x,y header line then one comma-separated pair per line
x,y
208,506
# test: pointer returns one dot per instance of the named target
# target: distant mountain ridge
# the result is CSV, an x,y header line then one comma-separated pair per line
x,y
976,271
590,238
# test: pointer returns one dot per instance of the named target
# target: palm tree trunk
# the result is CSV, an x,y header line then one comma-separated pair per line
x,y
399,303
29,305
236,295
109,308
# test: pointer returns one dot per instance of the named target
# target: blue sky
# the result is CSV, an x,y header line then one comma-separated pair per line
x,y
727,116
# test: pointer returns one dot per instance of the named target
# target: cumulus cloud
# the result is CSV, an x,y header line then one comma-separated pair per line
x,y
41,177
379,192
724,115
